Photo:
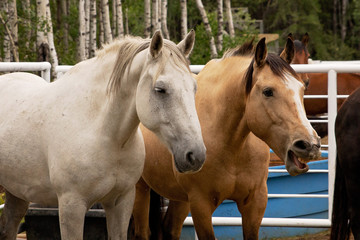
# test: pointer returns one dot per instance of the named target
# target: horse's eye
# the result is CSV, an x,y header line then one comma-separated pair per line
x,y
160,90
268,92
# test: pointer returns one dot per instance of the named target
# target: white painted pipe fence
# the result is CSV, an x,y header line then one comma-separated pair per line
x,y
44,67
331,70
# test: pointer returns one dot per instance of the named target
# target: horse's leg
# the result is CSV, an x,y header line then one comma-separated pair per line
x,y
118,213
352,188
174,218
14,210
201,212
141,210
252,213
72,210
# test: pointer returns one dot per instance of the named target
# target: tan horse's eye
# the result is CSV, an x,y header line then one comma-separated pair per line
x,y
268,92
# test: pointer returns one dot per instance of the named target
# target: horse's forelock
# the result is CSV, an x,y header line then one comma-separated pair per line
x,y
277,65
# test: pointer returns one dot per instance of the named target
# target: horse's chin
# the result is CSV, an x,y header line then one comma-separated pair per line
x,y
295,165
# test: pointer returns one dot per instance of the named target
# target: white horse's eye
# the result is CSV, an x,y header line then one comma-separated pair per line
x,y
160,90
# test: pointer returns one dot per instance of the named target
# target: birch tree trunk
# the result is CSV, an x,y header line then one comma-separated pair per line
x,y
220,25
119,19
101,25
87,28
50,36
154,16
42,44
82,28
183,8
4,7
164,19
229,18
113,19
13,26
147,18
202,11
106,21
92,44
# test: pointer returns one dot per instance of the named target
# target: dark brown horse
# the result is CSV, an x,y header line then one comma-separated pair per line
x,y
346,205
346,82
246,101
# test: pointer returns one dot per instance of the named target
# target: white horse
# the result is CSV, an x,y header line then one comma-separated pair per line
x,y
76,141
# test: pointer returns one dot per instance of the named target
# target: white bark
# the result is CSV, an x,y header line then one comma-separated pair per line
x,y
92,45
82,29
164,19
106,20
50,36
119,19
4,7
13,26
42,44
229,18
101,25
202,11
184,28
220,25
154,16
147,17
87,27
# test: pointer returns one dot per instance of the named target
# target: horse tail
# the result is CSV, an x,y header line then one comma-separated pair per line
x,y
340,227
155,215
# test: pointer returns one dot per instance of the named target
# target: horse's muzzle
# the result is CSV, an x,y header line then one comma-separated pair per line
x,y
192,161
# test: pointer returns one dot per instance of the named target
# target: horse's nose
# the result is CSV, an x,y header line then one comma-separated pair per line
x,y
305,148
196,158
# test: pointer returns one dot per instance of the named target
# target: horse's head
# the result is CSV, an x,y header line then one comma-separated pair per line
x,y
275,110
165,101
301,54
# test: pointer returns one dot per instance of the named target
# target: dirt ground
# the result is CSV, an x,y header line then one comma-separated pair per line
x,y
319,236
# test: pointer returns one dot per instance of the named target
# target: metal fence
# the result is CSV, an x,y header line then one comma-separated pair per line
x,y
331,69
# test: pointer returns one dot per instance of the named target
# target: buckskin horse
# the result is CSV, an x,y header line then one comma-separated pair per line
x,y
76,141
346,204
246,101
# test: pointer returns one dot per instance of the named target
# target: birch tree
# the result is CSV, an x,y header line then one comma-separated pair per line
x,y
154,16
13,27
87,27
4,7
65,11
82,28
92,44
50,37
147,18
164,19
119,19
101,25
202,11
183,24
220,25
229,18
106,21
42,44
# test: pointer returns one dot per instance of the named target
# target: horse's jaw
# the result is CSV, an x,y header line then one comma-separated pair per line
x,y
294,164
296,159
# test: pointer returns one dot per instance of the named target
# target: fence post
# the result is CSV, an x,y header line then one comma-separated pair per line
x,y
332,111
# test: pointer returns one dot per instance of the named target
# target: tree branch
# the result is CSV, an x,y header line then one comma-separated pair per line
x,y
10,37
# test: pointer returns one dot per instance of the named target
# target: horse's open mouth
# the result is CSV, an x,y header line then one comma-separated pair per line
x,y
296,165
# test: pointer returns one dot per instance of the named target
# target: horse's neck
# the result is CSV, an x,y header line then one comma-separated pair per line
x,y
221,105
121,119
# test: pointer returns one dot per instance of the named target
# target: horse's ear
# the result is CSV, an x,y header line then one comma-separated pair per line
x,y
187,44
289,51
260,53
305,39
291,36
156,44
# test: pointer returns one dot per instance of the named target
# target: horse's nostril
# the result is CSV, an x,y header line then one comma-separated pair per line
x,y
303,145
190,158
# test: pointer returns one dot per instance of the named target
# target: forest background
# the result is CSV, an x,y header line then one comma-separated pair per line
x,y
65,32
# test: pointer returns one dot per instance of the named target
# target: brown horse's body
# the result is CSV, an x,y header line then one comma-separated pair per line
x,y
234,112
346,84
